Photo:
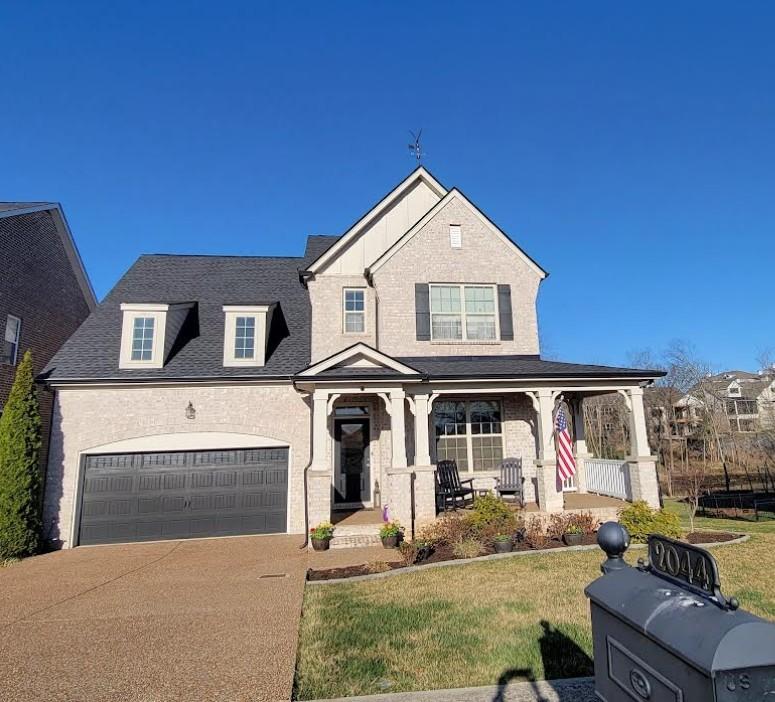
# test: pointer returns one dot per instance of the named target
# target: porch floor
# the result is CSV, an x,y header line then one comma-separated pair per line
x,y
583,501
356,517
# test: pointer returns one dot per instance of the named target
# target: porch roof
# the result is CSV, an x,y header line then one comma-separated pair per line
x,y
489,367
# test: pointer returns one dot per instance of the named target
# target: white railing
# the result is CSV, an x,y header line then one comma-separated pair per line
x,y
608,477
569,484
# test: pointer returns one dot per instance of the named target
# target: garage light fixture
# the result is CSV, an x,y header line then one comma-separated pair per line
x,y
190,411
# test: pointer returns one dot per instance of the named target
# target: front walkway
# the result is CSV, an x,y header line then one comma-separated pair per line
x,y
213,619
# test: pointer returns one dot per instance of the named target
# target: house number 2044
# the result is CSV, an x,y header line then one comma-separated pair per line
x,y
681,564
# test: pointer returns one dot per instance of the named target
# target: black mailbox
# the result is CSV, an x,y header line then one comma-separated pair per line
x,y
663,630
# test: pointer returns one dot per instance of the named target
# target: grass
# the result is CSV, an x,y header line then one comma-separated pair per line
x,y
476,624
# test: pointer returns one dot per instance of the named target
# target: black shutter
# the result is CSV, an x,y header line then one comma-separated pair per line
x,y
422,310
504,310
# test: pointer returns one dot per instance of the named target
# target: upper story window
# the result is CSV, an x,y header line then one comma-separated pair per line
x,y
245,337
13,329
354,310
245,334
463,313
142,338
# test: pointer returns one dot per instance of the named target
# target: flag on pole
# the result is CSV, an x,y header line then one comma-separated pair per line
x,y
566,464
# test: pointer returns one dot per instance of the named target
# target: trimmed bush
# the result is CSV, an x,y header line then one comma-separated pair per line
x,y
641,520
20,478
490,515
468,548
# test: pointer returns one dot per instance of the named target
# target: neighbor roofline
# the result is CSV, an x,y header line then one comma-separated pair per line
x,y
71,248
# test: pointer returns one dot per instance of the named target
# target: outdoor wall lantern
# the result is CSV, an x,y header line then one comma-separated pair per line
x,y
190,411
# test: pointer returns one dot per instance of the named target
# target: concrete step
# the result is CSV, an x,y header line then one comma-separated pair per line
x,y
355,541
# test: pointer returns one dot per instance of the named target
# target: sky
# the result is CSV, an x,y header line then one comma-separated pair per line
x,y
628,147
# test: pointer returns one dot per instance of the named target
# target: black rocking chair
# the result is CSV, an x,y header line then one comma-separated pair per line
x,y
450,488
511,480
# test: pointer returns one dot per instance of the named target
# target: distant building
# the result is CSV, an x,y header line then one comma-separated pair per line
x,y
746,402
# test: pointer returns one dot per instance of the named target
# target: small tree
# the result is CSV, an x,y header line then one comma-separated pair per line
x,y
20,479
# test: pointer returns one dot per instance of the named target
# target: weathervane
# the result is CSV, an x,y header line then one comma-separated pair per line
x,y
415,148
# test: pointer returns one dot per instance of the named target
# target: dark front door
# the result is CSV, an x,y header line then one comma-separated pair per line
x,y
183,494
351,474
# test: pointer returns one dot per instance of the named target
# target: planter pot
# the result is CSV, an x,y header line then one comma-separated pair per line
x,y
390,541
503,546
320,544
573,539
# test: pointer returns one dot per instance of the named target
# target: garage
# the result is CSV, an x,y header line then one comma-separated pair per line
x,y
182,494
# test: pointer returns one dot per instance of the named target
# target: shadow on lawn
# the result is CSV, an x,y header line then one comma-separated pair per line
x,y
562,658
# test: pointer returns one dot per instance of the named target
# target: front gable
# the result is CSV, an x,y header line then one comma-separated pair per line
x,y
359,358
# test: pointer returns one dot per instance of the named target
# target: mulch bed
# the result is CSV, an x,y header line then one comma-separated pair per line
x,y
443,552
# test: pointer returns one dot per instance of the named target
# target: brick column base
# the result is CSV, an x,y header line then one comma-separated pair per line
x,y
424,496
643,479
399,498
549,496
318,496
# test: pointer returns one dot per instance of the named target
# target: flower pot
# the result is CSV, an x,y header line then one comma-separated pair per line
x,y
573,539
321,544
503,546
390,541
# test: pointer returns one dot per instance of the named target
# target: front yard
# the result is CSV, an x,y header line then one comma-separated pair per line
x,y
476,624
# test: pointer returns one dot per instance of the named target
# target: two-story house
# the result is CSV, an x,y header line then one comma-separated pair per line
x,y
45,293
214,395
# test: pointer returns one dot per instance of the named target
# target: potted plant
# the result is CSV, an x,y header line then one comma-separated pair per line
x,y
503,543
573,535
321,536
390,533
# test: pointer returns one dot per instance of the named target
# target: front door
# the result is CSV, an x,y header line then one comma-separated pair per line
x,y
351,469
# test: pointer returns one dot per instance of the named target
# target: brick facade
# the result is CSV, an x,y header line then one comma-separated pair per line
x,y
39,287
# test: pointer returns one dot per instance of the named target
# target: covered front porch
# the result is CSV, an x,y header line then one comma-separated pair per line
x,y
380,425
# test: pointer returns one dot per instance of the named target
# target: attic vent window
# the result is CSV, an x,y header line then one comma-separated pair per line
x,y
455,236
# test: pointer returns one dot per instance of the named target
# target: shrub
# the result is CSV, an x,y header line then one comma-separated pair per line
x,y
447,530
534,534
390,529
641,520
468,548
321,532
558,525
20,478
490,515
573,529
586,522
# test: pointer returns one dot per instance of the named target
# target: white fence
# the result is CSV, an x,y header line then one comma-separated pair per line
x,y
607,477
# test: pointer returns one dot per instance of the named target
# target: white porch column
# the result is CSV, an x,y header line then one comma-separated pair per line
x,y
580,443
399,474
398,428
549,487
424,473
643,471
319,474
422,448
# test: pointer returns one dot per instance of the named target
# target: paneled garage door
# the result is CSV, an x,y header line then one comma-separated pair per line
x,y
183,494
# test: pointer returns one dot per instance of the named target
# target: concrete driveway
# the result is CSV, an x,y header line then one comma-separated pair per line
x,y
180,620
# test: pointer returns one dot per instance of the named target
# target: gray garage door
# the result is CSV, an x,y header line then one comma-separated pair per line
x,y
183,494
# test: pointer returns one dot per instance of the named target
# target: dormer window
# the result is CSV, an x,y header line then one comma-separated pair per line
x,y
149,331
246,328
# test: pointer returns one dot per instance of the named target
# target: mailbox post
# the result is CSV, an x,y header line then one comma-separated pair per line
x,y
664,631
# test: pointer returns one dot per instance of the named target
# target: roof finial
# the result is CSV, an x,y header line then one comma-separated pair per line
x,y
415,148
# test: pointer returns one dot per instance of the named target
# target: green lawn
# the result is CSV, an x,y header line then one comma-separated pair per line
x,y
518,618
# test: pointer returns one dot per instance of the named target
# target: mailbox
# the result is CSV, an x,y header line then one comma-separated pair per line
x,y
663,631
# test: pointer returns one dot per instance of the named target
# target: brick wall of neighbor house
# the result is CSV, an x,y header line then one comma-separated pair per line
x,y
326,296
37,285
428,257
89,417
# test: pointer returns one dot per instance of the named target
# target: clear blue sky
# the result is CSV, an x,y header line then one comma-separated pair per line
x,y
628,147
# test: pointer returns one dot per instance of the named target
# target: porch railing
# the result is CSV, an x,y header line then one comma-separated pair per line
x,y
608,477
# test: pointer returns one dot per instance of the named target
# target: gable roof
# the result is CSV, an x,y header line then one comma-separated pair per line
x,y
318,244
92,353
380,363
454,194
18,209
418,174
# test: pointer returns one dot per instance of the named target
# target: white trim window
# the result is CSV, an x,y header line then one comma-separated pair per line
x,y
463,312
245,337
13,331
142,338
354,310
470,432
245,334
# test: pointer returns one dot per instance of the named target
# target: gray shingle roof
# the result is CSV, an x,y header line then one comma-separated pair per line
x,y
317,245
6,206
210,281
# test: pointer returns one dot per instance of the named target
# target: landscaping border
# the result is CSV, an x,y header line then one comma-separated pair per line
x,y
495,557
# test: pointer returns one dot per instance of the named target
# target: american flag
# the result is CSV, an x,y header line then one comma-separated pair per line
x,y
566,464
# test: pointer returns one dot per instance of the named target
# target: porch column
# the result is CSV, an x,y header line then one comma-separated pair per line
x,y
424,472
643,470
579,443
399,475
319,473
549,486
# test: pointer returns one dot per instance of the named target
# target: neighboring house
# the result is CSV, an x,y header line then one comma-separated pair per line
x,y
745,401
45,293
213,395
